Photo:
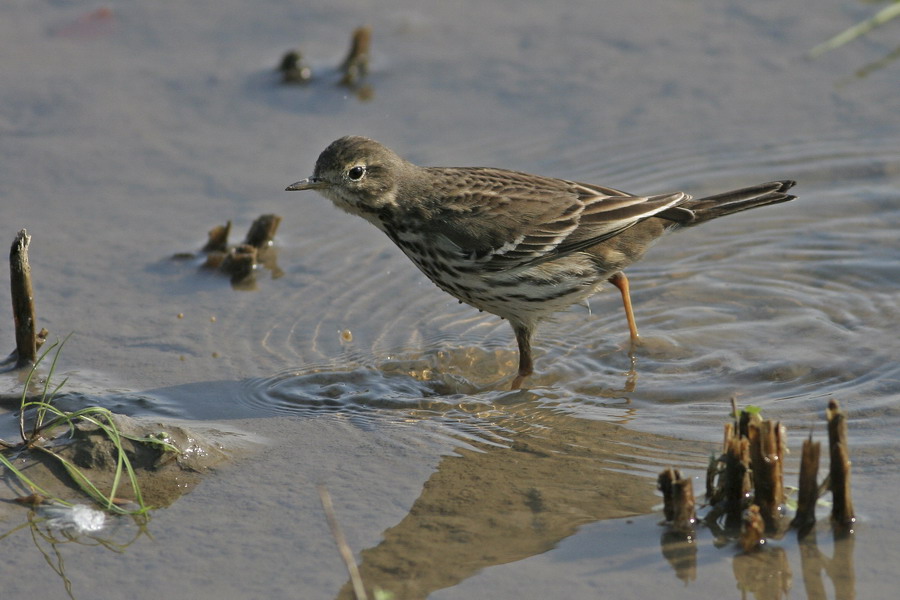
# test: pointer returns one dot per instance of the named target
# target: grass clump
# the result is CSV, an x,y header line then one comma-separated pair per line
x,y
44,427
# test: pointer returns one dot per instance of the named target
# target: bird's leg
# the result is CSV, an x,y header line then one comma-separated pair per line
x,y
524,334
620,281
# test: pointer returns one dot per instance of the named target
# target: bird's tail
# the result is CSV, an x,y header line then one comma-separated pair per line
x,y
713,207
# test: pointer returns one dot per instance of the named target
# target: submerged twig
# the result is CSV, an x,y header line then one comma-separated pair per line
x,y
346,553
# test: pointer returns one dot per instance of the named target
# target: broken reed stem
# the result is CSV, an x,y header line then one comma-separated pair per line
x,y
683,505
679,507
22,300
809,487
761,454
262,231
241,261
356,65
218,238
664,484
712,492
839,470
346,554
742,419
766,457
735,477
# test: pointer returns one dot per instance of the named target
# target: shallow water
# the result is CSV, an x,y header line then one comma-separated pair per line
x,y
125,137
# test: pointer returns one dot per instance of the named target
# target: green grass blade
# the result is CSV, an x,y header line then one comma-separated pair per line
x,y
26,481
100,417
851,33
46,397
28,379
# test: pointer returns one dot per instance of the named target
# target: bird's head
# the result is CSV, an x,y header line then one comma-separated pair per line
x,y
359,175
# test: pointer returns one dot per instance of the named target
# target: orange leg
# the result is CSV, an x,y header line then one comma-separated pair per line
x,y
620,281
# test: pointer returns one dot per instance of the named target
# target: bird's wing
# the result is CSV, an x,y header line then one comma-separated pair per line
x,y
502,220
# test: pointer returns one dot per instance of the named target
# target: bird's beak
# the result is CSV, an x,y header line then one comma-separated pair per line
x,y
307,184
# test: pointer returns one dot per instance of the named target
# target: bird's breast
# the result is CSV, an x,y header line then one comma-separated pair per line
x,y
525,294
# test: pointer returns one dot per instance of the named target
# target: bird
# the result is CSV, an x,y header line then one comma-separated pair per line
x,y
517,245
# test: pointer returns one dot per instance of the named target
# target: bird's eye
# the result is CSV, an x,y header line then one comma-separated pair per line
x,y
356,173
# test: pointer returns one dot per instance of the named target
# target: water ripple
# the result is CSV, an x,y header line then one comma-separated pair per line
x,y
783,307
